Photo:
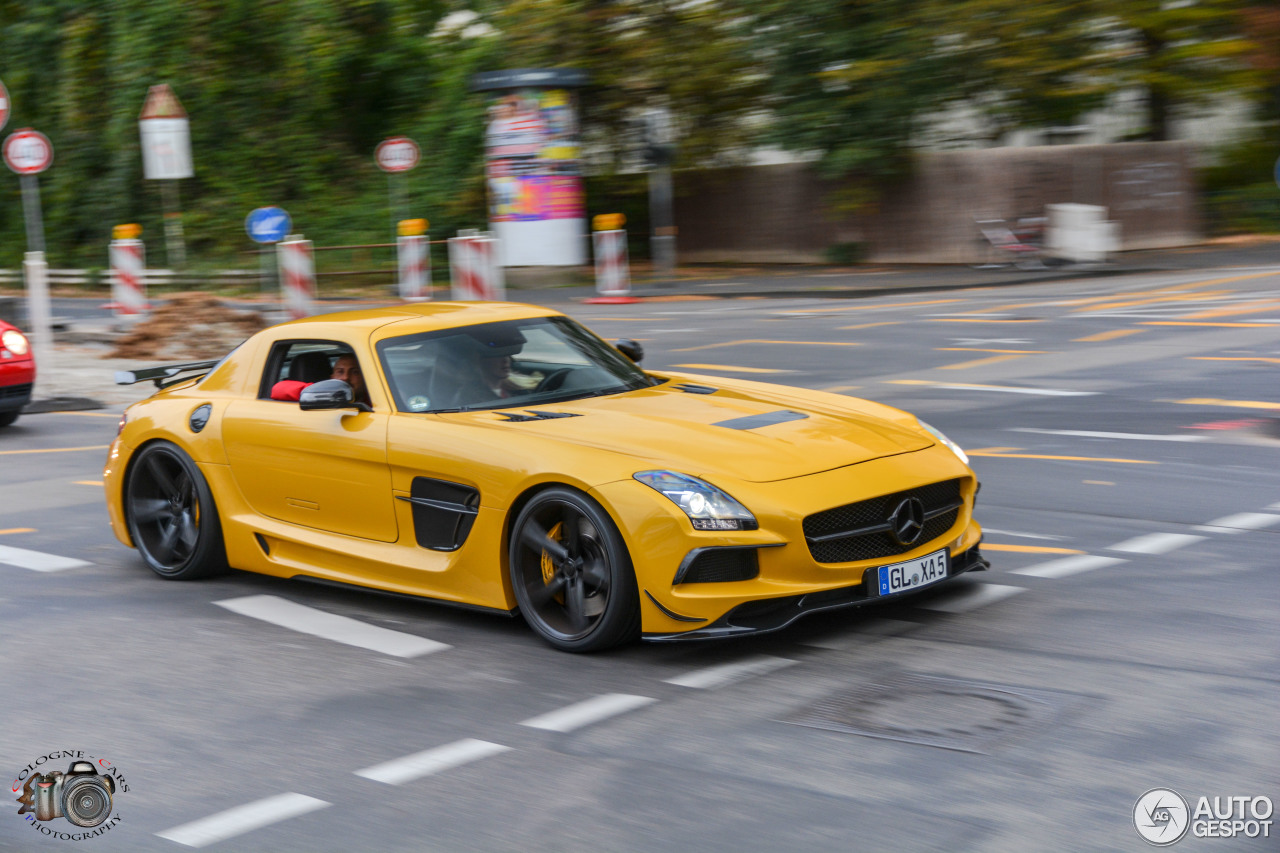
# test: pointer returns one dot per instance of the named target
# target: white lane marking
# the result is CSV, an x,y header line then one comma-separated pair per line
x,y
587,712
996,532
1275,505
1007,389
978,595
1155,543
340,629
242,819
431,761
715,677
1123,435
37,561
1240,522
1067,566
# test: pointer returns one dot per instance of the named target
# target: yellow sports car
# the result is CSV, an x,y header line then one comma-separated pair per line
x,y
502,457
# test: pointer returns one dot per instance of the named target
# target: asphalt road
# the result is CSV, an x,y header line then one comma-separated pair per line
x,y
1126,638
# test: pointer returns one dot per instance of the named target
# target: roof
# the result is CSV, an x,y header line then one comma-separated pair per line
x,y
421,316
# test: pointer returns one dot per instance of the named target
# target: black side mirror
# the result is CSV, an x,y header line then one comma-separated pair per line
x,y
329,394
631,349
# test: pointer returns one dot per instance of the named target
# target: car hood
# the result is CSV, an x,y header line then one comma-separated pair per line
x,y
738,435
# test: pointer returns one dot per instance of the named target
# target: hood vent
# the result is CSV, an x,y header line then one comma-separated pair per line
x,y
696,389
535,415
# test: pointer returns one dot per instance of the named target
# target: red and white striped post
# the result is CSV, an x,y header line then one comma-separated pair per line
x,y
414,255
128,258
474,268
297,276
613,269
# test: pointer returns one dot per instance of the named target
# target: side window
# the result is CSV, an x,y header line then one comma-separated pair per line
x,y
293,365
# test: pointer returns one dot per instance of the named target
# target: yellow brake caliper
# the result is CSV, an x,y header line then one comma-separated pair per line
x,y
548,568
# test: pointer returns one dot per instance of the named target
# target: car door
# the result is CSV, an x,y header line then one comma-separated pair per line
x,y
324,469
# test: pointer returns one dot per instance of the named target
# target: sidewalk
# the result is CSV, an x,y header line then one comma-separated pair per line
x,y
78,377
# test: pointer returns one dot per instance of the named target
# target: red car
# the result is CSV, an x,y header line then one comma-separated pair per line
x,y
17,373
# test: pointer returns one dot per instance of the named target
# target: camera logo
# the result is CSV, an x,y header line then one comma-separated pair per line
x,y
1161,817
83,794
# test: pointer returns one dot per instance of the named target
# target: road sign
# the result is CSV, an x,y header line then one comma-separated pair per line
x,y
28,152
397,154
166,136
267,224
4,105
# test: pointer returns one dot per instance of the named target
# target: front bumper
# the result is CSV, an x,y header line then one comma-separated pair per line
x,y
761,617
16,380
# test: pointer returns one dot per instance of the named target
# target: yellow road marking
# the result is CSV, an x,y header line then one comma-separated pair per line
x,y
18,530
979,362
1061,458
730,369
1246,308
1228,358
754,341
55,450
1238,404
874,307
993,450
1110,336
1172,297
978,349
88,482
1220,325
983,320
1028,549
868,325
622,320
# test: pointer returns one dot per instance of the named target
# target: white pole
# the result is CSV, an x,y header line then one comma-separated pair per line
x,y
36,273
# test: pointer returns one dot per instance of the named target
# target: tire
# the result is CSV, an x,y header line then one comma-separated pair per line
x,y
7,418
571,573
171,514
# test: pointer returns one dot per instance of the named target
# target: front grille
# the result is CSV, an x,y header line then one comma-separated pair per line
x,y
15,391
721,565
875,511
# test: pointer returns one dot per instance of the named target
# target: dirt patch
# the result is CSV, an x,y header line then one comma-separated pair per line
x,y
189,326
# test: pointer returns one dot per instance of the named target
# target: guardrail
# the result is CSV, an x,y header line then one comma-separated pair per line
x,y
160,279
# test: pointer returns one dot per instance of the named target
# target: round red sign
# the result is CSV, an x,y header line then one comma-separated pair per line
x,y
397,154
4,105
28,152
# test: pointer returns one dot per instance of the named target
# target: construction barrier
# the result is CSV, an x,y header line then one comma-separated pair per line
x,y
297,276
414,256
474,269
128,277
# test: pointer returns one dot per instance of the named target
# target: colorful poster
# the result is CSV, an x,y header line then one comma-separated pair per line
x,y
533,157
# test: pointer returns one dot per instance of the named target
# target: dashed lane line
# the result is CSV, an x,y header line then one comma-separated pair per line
x,y
726,368
1005,453
715,677
1240,522
54,450
1156,543
1028,549
242,819
37,561
18,530
1067,566
330,626
1130,436
398,771
1002,389
588,712
964,600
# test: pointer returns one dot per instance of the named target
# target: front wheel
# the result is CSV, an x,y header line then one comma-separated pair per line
x,y
7,418
572,574
172,518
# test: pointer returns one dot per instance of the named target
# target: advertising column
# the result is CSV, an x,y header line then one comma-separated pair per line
x,y
533,165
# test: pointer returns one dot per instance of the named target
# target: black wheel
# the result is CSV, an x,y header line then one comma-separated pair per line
x,y
6,418
171,514
572,574
553,380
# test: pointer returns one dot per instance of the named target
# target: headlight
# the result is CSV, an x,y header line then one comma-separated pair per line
x,y
708,508
954,448
14,341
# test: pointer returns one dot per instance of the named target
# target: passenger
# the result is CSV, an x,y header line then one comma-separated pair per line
x,y
305,370
347,369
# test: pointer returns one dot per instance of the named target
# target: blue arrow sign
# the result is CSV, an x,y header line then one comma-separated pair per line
x,y
267,224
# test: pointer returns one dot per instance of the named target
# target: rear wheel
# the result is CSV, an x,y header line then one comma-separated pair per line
x,y
6,418
171,514
572,574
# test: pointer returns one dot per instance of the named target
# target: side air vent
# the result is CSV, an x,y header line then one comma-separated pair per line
x,y
443,512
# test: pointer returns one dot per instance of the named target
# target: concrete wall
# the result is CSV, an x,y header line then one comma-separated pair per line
x,y
788,214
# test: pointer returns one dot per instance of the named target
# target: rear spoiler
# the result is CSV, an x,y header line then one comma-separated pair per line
x,y
166,374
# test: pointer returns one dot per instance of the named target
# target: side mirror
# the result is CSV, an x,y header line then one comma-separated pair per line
x,y
631,349
329,394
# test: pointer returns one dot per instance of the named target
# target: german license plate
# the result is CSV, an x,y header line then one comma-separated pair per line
x,y
913,574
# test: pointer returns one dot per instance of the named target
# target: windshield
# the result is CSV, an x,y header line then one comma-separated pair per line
x,y
537,361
